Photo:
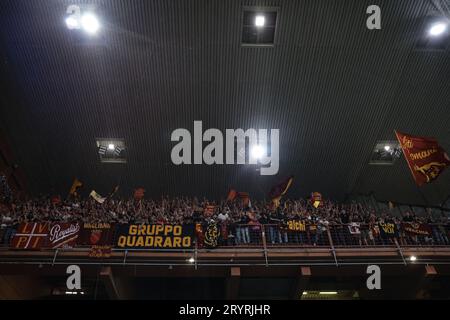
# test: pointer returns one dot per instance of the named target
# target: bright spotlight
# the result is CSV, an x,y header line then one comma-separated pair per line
x,y
387,148
90,23
412,258
257,152
437,29
111,146
72,23
191,260
260,21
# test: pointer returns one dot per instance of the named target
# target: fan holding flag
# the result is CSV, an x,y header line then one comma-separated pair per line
x,y
425,157
280,190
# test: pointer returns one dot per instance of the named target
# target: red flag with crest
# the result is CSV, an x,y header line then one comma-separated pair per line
x,y
425,157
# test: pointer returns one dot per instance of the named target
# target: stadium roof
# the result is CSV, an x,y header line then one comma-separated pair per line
x,y
332,87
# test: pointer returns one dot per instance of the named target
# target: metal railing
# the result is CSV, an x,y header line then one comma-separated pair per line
x,y
262,245
306,234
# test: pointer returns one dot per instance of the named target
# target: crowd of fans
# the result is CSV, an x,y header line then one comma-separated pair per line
x,y
238,224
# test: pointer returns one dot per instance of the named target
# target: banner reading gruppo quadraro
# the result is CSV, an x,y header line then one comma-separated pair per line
x,y
155,236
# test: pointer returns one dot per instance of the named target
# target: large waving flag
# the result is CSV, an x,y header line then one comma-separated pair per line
x,y
316,199
280,190
425,157
232,194
244,196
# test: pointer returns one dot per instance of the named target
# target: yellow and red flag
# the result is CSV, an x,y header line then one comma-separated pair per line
x,y
245,197
316,199
425,157
280,190
75,186
232,194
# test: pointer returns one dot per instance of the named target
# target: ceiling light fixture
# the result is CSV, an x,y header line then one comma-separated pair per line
x,y
257,152
90,23
260,21
437,28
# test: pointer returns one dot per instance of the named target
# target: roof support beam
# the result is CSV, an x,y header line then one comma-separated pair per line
x,y
301,284
233,283
116,288
424,283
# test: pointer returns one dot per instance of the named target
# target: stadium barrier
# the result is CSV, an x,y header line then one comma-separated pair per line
x,y
301,234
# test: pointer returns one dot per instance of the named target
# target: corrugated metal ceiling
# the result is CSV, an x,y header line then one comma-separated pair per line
x,y
330,85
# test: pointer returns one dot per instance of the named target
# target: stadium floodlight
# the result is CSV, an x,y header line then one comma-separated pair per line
x,y
437,28
102,150
90,23
117,151
257,152
260,21
111,150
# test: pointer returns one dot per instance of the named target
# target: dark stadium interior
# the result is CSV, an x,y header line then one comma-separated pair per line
x,y
400,283
100,109
333,88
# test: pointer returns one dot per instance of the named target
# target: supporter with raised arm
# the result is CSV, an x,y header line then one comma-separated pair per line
x,y
237,224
